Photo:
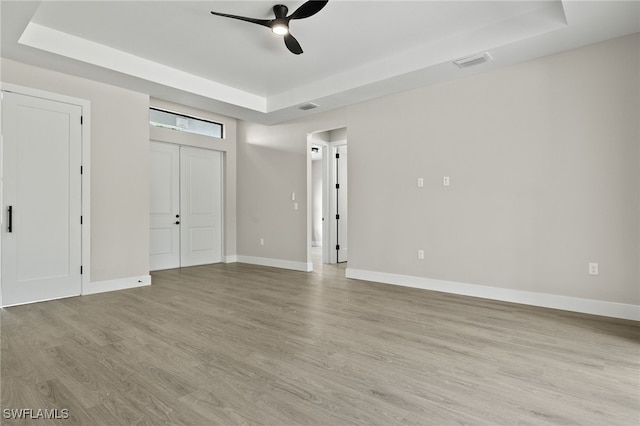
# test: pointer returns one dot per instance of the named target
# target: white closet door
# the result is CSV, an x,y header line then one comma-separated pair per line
x,y
201,206
41,237
341,203
164,207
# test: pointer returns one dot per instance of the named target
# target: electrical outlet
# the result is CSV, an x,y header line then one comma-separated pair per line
x,y
420,182
261,241
421,254
295,206
446,181
593,268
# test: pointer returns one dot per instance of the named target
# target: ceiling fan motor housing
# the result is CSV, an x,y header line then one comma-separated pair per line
x,y
280,10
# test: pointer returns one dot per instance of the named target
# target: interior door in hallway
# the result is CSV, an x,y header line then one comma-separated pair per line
x,y
185,206
42,184
341,203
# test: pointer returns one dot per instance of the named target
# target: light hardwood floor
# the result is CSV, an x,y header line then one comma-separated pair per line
x,y
241,344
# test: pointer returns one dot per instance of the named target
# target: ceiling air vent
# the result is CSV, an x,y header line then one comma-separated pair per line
x,y
471,61
307,106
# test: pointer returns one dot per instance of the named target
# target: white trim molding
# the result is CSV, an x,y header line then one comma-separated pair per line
x,y
277,263
117,284
554,301
231,259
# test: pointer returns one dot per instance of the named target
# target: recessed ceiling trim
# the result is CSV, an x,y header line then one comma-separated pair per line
x,y
70,46
272,95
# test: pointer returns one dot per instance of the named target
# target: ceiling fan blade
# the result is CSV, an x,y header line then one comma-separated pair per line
x,y
292,44
308,9
263,22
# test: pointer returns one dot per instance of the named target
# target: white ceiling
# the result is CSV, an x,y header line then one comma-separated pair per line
x,y
353,50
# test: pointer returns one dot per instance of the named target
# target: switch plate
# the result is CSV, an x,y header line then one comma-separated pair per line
x,y
293,196
593,268
446,181
420,182
261,241
420,254
295,206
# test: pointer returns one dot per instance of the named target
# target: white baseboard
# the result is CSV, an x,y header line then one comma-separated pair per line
x,y
566,303
231,259
118,284
277,263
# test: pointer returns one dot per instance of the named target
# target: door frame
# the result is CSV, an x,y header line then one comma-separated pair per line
x,y
333,199
332,233
328,195
85,147
223,189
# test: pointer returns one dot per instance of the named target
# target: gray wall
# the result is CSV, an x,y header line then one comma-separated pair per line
x,y
543,158
119,168
316,202
272,163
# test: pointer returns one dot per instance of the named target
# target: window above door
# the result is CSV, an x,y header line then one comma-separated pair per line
x,y
185,123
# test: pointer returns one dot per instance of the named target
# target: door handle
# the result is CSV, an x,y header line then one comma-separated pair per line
x,y
177,222
10,221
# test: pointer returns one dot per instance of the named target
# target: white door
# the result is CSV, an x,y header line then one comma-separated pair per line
x,y
201,206
341,203
185,207
41,230
164,208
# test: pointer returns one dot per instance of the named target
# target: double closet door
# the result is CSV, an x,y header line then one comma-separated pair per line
x,y
185,206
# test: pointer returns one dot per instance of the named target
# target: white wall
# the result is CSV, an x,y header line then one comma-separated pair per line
x,y
544,164
119,168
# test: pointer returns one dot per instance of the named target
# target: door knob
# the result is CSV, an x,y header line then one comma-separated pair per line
x,y
177,222
177,216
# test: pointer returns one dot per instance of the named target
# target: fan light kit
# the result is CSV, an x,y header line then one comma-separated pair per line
x,y
280,25
280,29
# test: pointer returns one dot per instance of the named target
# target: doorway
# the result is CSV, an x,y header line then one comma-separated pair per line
x,y
328,186
42,198
185,206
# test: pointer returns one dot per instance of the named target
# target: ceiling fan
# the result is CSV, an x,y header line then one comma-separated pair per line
x,y
280,25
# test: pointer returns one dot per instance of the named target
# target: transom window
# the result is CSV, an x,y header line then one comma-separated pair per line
x,y
184,123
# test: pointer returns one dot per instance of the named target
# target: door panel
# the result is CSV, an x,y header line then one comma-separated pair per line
x,y
164,234
41,257
186,206
201,201
341,180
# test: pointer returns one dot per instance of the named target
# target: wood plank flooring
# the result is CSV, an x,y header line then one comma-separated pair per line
x,y
238,344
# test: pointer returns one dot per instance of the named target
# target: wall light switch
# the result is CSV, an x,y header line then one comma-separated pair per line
x,y
446,181
293,196
295,206
420,182
261,241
